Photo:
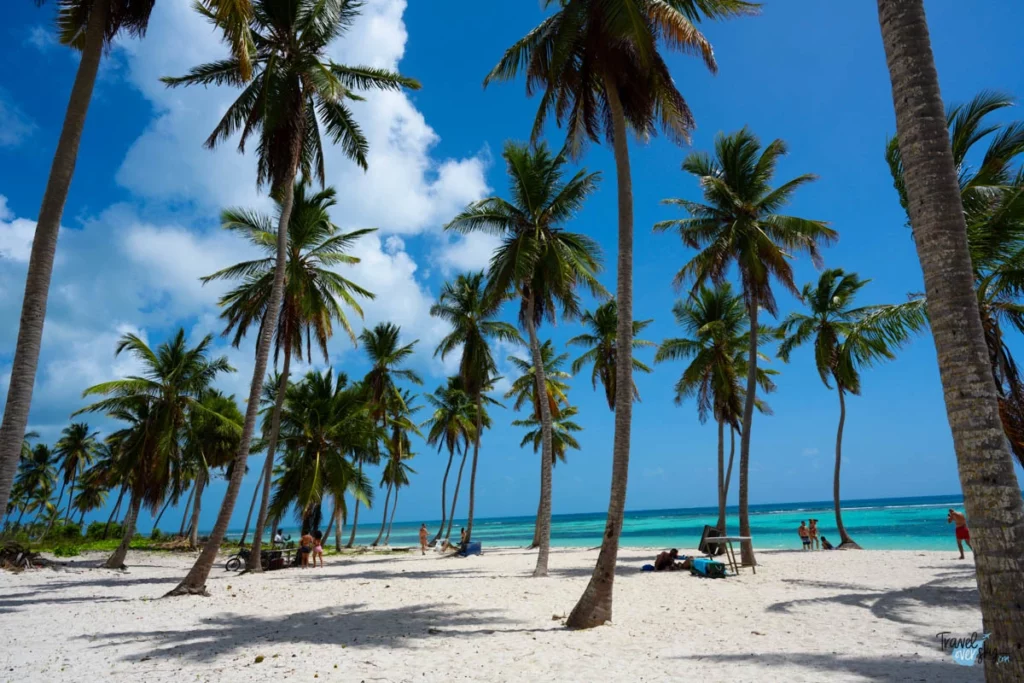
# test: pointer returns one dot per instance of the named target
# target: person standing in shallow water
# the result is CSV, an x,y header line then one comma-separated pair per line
x,y
963,534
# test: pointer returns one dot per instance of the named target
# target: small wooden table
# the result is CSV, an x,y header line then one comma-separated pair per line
x,y
730,553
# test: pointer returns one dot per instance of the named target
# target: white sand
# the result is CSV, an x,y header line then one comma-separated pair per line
x,y
848,616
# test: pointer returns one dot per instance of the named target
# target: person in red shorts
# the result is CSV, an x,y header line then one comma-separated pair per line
x,y
963,534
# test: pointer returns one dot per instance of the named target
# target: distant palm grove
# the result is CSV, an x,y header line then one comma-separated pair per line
x,y
335,443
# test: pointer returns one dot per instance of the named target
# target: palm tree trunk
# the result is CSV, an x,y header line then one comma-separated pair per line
x,y
455,495
330,524
384,521
113,513
156,523
844,538
444,497
193,535
17,525
747,549
116,561
472,471
184,513
595,605
535,543
252,504
194,582
992,497
81,517
355,513
60,496
544,511
254,563
720,525
71,495
339,519
728,469
394,509
44,246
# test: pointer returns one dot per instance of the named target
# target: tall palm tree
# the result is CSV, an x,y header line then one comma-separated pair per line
x,y
313,294
740,223
562,429
538,262
450,427
846,338
91,495
524,389
992,194
324,423
600,343
87,26
76,448
466,307
717,343
387,357
107,475
295,89
400,410
211,441
156,406
991,492
599,69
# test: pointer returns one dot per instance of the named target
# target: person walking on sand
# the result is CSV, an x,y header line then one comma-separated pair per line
x,y
963,534
805,535
305,548
423,539
812,531
318,548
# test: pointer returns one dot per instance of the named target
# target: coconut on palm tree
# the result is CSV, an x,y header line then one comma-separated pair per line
x,y
76,449
295,89
539,263
156,405
311,304
598,67
741,223
845,339
600,342
992,194
470,311
716,346
388,357
992,495
89,27
450,427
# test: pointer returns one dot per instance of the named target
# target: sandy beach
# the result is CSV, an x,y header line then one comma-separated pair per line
x,y
848,616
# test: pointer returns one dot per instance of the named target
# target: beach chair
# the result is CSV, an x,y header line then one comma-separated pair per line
x,y
706,547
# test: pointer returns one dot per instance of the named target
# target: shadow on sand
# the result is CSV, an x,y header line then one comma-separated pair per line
x,y
866,668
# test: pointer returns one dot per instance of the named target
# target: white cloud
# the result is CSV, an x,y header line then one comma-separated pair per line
x,y
15,234
15,125
41,38
466,253
809,452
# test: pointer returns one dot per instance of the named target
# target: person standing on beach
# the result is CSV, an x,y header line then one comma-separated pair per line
x,y
805,535
305,548
812,531
423,539
963,534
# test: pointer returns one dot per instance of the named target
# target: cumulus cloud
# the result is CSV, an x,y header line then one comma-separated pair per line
x,y
15,125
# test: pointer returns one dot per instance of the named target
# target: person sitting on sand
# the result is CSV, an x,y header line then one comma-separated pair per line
x,y
805,535
825,545
318,548
462,538
812,531
666,561
963,534
305,548
423,539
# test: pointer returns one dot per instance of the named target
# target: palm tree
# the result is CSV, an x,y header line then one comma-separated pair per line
x,y
598,66
36,477
991,492
600,344
87,26
156,406
400,410
471,313
387,357
295,89
524,388
397,470
992,194
538,262
717,343
92,494
562,430
844,339
450,427
211,441
76,448
107,475
740,223
324,420
311,303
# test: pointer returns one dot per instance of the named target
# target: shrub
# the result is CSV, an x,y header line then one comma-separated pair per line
x,y
95,530
66,550
156,535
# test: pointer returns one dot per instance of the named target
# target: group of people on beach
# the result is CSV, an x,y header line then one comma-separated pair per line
x,y
809,536
443,546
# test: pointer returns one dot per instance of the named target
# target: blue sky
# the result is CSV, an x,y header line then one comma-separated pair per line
x,y
140,227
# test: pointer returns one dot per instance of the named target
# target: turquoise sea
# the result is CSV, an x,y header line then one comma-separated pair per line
x,y
881,524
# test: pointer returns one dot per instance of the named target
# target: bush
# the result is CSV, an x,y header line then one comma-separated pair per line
x,y
66,550
71,530
95,530
156,535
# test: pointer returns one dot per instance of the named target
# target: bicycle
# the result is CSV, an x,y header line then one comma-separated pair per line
x,y
236,561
